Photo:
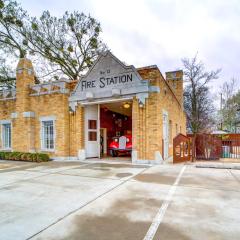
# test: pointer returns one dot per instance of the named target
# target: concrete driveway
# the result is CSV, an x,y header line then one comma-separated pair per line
x,y
73,200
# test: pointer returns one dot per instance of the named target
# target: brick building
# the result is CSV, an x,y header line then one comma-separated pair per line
x,y
69,119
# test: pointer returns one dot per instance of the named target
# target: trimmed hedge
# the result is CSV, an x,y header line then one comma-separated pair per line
x,y
24,156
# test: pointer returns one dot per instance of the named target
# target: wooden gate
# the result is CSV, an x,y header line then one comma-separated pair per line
x,y
181,149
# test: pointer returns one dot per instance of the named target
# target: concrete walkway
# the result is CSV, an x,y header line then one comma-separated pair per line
x,y
74,200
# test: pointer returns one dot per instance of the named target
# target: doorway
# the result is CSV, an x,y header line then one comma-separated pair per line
x,y
116,130
103,142
92,131
108,130
165,135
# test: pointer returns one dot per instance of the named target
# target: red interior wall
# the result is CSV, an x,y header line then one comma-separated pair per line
x,y
108,119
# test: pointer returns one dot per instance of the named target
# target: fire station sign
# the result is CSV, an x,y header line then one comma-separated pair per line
x,y
104,82
109,78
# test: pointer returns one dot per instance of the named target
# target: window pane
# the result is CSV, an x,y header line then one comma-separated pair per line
x,y
92,136
48,134
92,124
6,135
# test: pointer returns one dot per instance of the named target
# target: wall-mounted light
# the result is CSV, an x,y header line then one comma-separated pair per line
x,y
126,105
70,110
141,105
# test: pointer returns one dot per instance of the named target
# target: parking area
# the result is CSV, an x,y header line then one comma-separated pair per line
x,y
106,201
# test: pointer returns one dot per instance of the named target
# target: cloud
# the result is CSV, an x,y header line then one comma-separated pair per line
x,y
162,32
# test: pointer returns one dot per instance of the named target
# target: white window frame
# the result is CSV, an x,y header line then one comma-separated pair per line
x,y
165,138
47,119
3,122
170,135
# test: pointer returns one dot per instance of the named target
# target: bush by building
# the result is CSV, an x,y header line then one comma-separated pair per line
x,y
24,156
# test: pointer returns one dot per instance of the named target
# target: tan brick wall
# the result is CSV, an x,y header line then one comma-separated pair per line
x,y
175,81
21,133
26,131
77,131
55,105
69,126
6,108
150,135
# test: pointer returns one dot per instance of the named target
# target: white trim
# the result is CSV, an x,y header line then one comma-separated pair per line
x,y
98,131
5,121
47,150
45,119
146,162
166,131
81,154
162,210
169,160
2,122
106,101
28,114
91,112
158,157
48,118
14,115
67,158
6,149
134,156
165,112
104,140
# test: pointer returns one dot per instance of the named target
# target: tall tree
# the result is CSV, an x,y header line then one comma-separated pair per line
x,y
11,20
236,100
71,43
229,106
68,45
7,75
197,98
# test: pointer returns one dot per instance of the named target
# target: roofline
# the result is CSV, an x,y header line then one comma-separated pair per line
x,y
147,67
180,70
156,67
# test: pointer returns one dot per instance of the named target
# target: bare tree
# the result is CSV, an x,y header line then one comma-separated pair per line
x,y
228,89
197,98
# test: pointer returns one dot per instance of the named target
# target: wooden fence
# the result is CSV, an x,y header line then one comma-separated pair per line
x,y
214,147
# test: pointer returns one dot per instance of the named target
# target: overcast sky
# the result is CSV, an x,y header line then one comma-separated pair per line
x,y
162,32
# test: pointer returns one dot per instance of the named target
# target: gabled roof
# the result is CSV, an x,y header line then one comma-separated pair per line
x,y
99,59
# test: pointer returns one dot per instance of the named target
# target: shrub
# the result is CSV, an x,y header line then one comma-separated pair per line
x,y
24,156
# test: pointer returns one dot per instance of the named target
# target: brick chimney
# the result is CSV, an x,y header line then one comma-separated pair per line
x,y
23,133
24,78
175,80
